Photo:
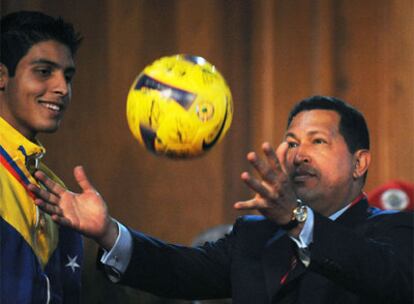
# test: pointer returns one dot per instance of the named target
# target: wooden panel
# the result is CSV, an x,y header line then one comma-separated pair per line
x,y
297,60
235,43
396,110
374,71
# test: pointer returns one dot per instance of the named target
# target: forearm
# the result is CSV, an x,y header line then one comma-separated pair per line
x,y
176,271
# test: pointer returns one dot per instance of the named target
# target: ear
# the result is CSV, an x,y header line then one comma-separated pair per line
x,y
362,159
4,76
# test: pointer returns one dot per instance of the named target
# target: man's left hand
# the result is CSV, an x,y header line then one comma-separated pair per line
x,y
275,197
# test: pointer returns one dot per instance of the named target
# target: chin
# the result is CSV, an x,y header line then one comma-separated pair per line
x,y
306,195
49,129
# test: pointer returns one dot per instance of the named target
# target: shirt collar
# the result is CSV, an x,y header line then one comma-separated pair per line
x,y
340,212
17,145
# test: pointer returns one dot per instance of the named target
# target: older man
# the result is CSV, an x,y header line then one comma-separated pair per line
x,y
318,240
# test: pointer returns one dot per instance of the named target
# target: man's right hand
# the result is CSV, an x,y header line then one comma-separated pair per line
x,y
85,212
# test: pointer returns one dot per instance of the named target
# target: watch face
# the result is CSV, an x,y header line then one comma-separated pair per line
x,y
301,213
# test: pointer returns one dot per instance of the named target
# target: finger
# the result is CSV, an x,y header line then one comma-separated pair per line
x,y
82,179
50,185
43,194
265,171
281,154
63,221
48,208
251,204
256,185
271,156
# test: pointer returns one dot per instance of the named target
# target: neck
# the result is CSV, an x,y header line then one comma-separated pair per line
x,y
335,202
29,135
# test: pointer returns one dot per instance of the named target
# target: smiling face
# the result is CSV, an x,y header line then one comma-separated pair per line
x,y
35,99
323,172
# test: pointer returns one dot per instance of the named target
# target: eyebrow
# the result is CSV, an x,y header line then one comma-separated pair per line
x,y
70,69
310,133
290,134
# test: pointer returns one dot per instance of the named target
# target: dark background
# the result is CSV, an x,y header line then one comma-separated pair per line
x,y
272,53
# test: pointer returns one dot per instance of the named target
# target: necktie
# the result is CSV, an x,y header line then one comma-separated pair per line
x,y
288,293
293,264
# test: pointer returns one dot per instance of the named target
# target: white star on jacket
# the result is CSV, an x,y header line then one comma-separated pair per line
x,y
72,263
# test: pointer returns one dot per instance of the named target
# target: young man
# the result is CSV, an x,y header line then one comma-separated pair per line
x,y
318,240
39,261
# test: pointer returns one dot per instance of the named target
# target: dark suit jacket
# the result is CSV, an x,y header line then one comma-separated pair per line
x,y
365,256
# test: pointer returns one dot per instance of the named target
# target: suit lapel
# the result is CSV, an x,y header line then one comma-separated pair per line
x,y
280,249
355,215
277,261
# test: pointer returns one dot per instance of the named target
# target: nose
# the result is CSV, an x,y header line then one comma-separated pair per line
x,y
301,156
60,85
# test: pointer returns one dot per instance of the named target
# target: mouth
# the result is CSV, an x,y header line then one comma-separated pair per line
x,y
52,106
300,178
303,175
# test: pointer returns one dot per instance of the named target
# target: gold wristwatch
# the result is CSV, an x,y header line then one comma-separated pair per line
x,y
299,215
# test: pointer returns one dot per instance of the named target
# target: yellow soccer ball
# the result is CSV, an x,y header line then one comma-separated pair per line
x,y
179,106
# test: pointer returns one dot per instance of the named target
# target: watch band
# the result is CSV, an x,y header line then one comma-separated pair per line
x,y
292,224
299,215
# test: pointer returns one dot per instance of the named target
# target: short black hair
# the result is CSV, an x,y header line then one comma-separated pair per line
x,y
352,124
21,30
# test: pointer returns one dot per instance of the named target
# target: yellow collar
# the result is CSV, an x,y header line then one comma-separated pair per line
x,y
16,144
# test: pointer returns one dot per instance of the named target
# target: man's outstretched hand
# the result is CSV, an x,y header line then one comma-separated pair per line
x,y
274,195
85,212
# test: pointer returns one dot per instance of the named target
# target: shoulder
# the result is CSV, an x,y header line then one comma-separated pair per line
x,y
390,216
394,225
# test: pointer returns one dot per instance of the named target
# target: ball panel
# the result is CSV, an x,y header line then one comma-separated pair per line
x,y
184,98
148,138
208,145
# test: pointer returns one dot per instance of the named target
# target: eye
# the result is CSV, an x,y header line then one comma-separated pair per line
x,y
43,71
319,141
69,78
69,74
292,144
